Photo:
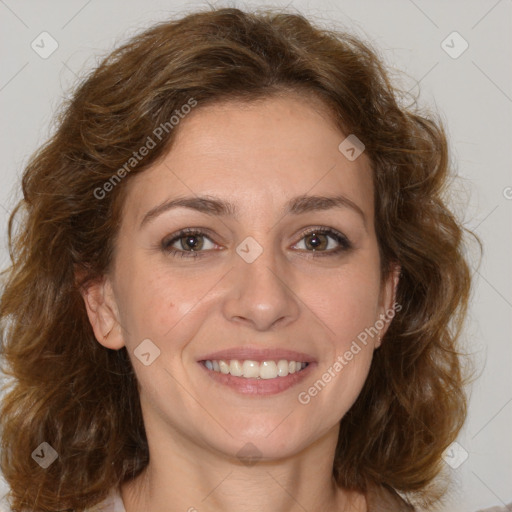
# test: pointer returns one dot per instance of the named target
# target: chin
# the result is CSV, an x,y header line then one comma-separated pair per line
x,y
265,441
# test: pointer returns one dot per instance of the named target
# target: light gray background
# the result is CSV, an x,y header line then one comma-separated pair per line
x,y
473,94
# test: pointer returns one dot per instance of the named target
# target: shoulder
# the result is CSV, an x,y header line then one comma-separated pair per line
x,y
506,508
385,499
112,503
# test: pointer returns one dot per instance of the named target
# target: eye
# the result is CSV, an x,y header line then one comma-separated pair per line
x,y
187,243
318,241
324,240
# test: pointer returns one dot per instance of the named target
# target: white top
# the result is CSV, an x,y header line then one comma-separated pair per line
x,y
114,503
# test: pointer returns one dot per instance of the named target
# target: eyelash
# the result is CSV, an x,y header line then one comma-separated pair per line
x,y
344,243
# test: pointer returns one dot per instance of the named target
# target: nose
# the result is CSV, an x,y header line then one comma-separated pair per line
x,y
259,295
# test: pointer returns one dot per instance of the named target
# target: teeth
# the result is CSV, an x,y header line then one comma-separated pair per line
x,y
235,368
268,370
255,370
282,368
251,369
224,367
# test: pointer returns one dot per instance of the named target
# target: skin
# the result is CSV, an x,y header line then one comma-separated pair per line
x,y
258,156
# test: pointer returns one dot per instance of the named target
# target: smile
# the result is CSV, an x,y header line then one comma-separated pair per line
x,y
250,369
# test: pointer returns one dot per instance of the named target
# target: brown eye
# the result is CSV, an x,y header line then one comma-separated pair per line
x,y
324,240
192,242
315,241
187,243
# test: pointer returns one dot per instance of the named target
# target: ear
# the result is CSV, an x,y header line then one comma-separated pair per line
x,y
103,313
387,304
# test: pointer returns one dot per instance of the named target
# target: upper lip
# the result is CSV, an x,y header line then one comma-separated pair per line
x,y
258,354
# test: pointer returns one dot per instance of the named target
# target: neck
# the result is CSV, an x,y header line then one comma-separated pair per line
x,y
184,477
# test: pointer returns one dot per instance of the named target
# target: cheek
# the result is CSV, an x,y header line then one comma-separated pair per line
x,y
347,304
342,373
158,304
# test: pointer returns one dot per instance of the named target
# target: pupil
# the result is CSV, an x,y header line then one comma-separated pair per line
x,y
314,241
192,242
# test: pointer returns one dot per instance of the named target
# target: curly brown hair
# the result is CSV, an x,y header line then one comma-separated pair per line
x,y
82,398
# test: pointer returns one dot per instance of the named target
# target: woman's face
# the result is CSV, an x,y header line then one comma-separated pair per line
x,y
285,269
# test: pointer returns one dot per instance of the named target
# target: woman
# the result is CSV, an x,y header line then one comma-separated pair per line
x,y
236,285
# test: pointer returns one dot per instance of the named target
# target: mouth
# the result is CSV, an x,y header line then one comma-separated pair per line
x,y
251,371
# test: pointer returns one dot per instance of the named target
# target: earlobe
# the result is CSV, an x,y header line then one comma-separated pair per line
x,y
393,280
103,314
388,301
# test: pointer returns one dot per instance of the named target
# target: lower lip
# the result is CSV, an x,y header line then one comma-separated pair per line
x,y
260,387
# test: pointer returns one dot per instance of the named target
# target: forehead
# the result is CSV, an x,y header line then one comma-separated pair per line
x,y
256,154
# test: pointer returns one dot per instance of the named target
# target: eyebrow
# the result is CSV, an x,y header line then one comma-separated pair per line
x,y
223,208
